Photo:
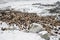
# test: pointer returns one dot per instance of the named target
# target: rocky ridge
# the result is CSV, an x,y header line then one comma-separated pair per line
x,y
24,20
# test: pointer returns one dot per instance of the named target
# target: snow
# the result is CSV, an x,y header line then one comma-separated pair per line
x,y
21,35
18,35
26,6
43,32
54,37
22,6
5,25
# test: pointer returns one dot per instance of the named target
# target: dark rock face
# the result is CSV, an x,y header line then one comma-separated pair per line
x,y
3,29
56,9
58,3
44,4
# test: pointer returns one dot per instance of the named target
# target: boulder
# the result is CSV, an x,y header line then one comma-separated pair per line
x,y
44,34
35,28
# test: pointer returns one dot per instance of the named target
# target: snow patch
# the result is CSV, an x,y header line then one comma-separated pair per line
x,y
18,35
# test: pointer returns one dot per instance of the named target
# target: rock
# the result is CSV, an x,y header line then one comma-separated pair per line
x,y
58,18
35,28
44,34
0,14
59,38
58,3
3,29
54,38
56,30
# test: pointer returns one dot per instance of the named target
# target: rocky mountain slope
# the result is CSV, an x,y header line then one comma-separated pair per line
x,y
35,18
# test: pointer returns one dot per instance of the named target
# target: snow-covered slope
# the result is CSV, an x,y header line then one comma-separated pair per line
x,y
15,34
18,35
27,6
